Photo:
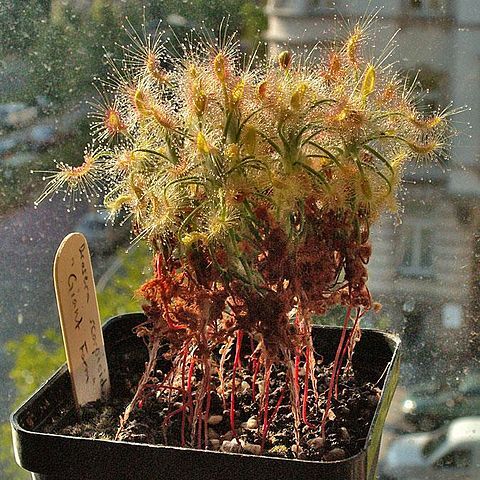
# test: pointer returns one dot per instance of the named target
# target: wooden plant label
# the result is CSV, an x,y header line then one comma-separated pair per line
x,y
80,320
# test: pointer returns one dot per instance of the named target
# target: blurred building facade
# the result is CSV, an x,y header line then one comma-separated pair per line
x,y
425,267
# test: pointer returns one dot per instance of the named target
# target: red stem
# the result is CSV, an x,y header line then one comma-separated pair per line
x,y
336,364
334,370
184,397
252,348
189,389
296,383
251,366
207,410
305,389
236,363
344,350
268,369
256,365
199,431
158,265
277,406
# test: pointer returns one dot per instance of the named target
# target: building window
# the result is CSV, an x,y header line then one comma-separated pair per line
x,y
434,86
417,257
428,8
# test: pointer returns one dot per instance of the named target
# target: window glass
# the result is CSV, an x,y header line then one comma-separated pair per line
x,y
425,267
418,250
50,52
426,258
409,247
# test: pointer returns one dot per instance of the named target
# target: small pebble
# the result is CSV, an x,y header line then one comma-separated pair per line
x,y
252,448
215,443
297,450
214,419
245,387
344,435
228,436
252,423
334,455
317,443
331,415
231,446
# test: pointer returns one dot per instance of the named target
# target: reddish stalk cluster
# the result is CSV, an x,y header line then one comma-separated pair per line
x,y
206,318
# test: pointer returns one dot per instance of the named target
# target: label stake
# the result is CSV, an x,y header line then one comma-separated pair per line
x,y
80,320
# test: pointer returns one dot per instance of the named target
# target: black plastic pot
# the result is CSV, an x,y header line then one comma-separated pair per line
x,y
59,457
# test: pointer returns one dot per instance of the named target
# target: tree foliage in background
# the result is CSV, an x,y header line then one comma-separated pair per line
x,y
62,46
17,28
247,17
34,359
130,269
66,49
53,48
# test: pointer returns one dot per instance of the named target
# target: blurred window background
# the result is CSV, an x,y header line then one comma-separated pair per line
x,y
425,268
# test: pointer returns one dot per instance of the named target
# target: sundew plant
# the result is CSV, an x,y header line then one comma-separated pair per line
x,y
255,183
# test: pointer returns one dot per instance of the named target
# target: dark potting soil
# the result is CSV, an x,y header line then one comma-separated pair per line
x,y
153,422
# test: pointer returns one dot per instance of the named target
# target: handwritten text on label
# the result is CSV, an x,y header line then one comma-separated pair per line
x,y
80,320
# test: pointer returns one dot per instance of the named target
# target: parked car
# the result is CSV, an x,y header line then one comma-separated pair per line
x,y
42,136
450,453
16,115
18,159
7,109
431,405
102,237
7,145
